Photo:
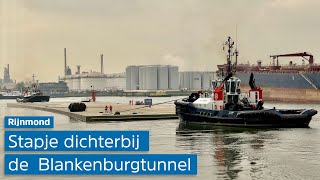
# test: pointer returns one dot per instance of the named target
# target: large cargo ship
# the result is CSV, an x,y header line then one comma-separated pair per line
x,y
228,106
292,82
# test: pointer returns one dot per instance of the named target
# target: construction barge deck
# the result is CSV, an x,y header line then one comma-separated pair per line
x,y
95,111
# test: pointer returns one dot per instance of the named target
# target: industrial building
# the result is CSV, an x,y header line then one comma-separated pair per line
x,y
86,81
7,82
116,81
152,77
95,80
195,80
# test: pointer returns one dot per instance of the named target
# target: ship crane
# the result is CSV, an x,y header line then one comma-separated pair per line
x,y
304,55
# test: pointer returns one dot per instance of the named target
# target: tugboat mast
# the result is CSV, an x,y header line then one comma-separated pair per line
x,y
236,52
33,83
33,76
229,43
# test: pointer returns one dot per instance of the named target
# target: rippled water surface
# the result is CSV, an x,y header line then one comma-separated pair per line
x,y
223,153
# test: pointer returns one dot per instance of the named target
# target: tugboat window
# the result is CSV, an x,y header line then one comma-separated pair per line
x,y
214,84
256,97
233,87
227,86
238,85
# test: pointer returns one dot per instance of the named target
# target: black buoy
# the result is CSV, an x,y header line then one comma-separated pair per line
x,y
77,107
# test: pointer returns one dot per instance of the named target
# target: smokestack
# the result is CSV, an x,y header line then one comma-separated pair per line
x,y
101,63
8,69
65,61
78,67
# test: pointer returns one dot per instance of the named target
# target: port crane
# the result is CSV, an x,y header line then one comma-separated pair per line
x,y
303,54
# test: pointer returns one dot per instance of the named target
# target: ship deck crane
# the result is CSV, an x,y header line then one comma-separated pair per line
x,y
303,54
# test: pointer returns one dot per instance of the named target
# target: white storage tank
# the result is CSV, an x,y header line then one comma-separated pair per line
x,y
68,80
205,80
94,80
144,79
86,83
100,83
181,80
134,77
196,81
141,78
151,77
128,78
186,80
173,72
163,78
116,81
76,83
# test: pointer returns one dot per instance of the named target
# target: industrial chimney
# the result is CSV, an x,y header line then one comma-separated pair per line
x,y
78,67
65,61
101,63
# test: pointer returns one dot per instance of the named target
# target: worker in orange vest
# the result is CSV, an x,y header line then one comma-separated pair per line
x,y
110,108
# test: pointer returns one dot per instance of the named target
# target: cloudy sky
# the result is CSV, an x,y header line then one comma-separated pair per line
x,y
188,33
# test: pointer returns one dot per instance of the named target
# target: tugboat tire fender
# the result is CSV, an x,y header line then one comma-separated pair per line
x,y
309,112
269,114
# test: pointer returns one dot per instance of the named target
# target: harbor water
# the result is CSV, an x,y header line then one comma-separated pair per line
x,y
223,153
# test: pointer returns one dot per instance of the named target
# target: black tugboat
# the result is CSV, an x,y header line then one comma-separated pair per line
x,y
227,106
33,94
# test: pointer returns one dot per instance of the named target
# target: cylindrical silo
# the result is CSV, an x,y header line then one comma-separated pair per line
x,y
109,83
183,80
100,83
76,83
128,78
118,83
173,72
134,77
205,80
69,82
94,80
85,83
122,83
141,78
151,77
186,80
180,80
163,77
196,81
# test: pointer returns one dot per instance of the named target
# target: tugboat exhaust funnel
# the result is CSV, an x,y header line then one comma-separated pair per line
x,y
252,82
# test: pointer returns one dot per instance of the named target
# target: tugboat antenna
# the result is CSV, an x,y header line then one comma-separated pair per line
x,y
236,52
